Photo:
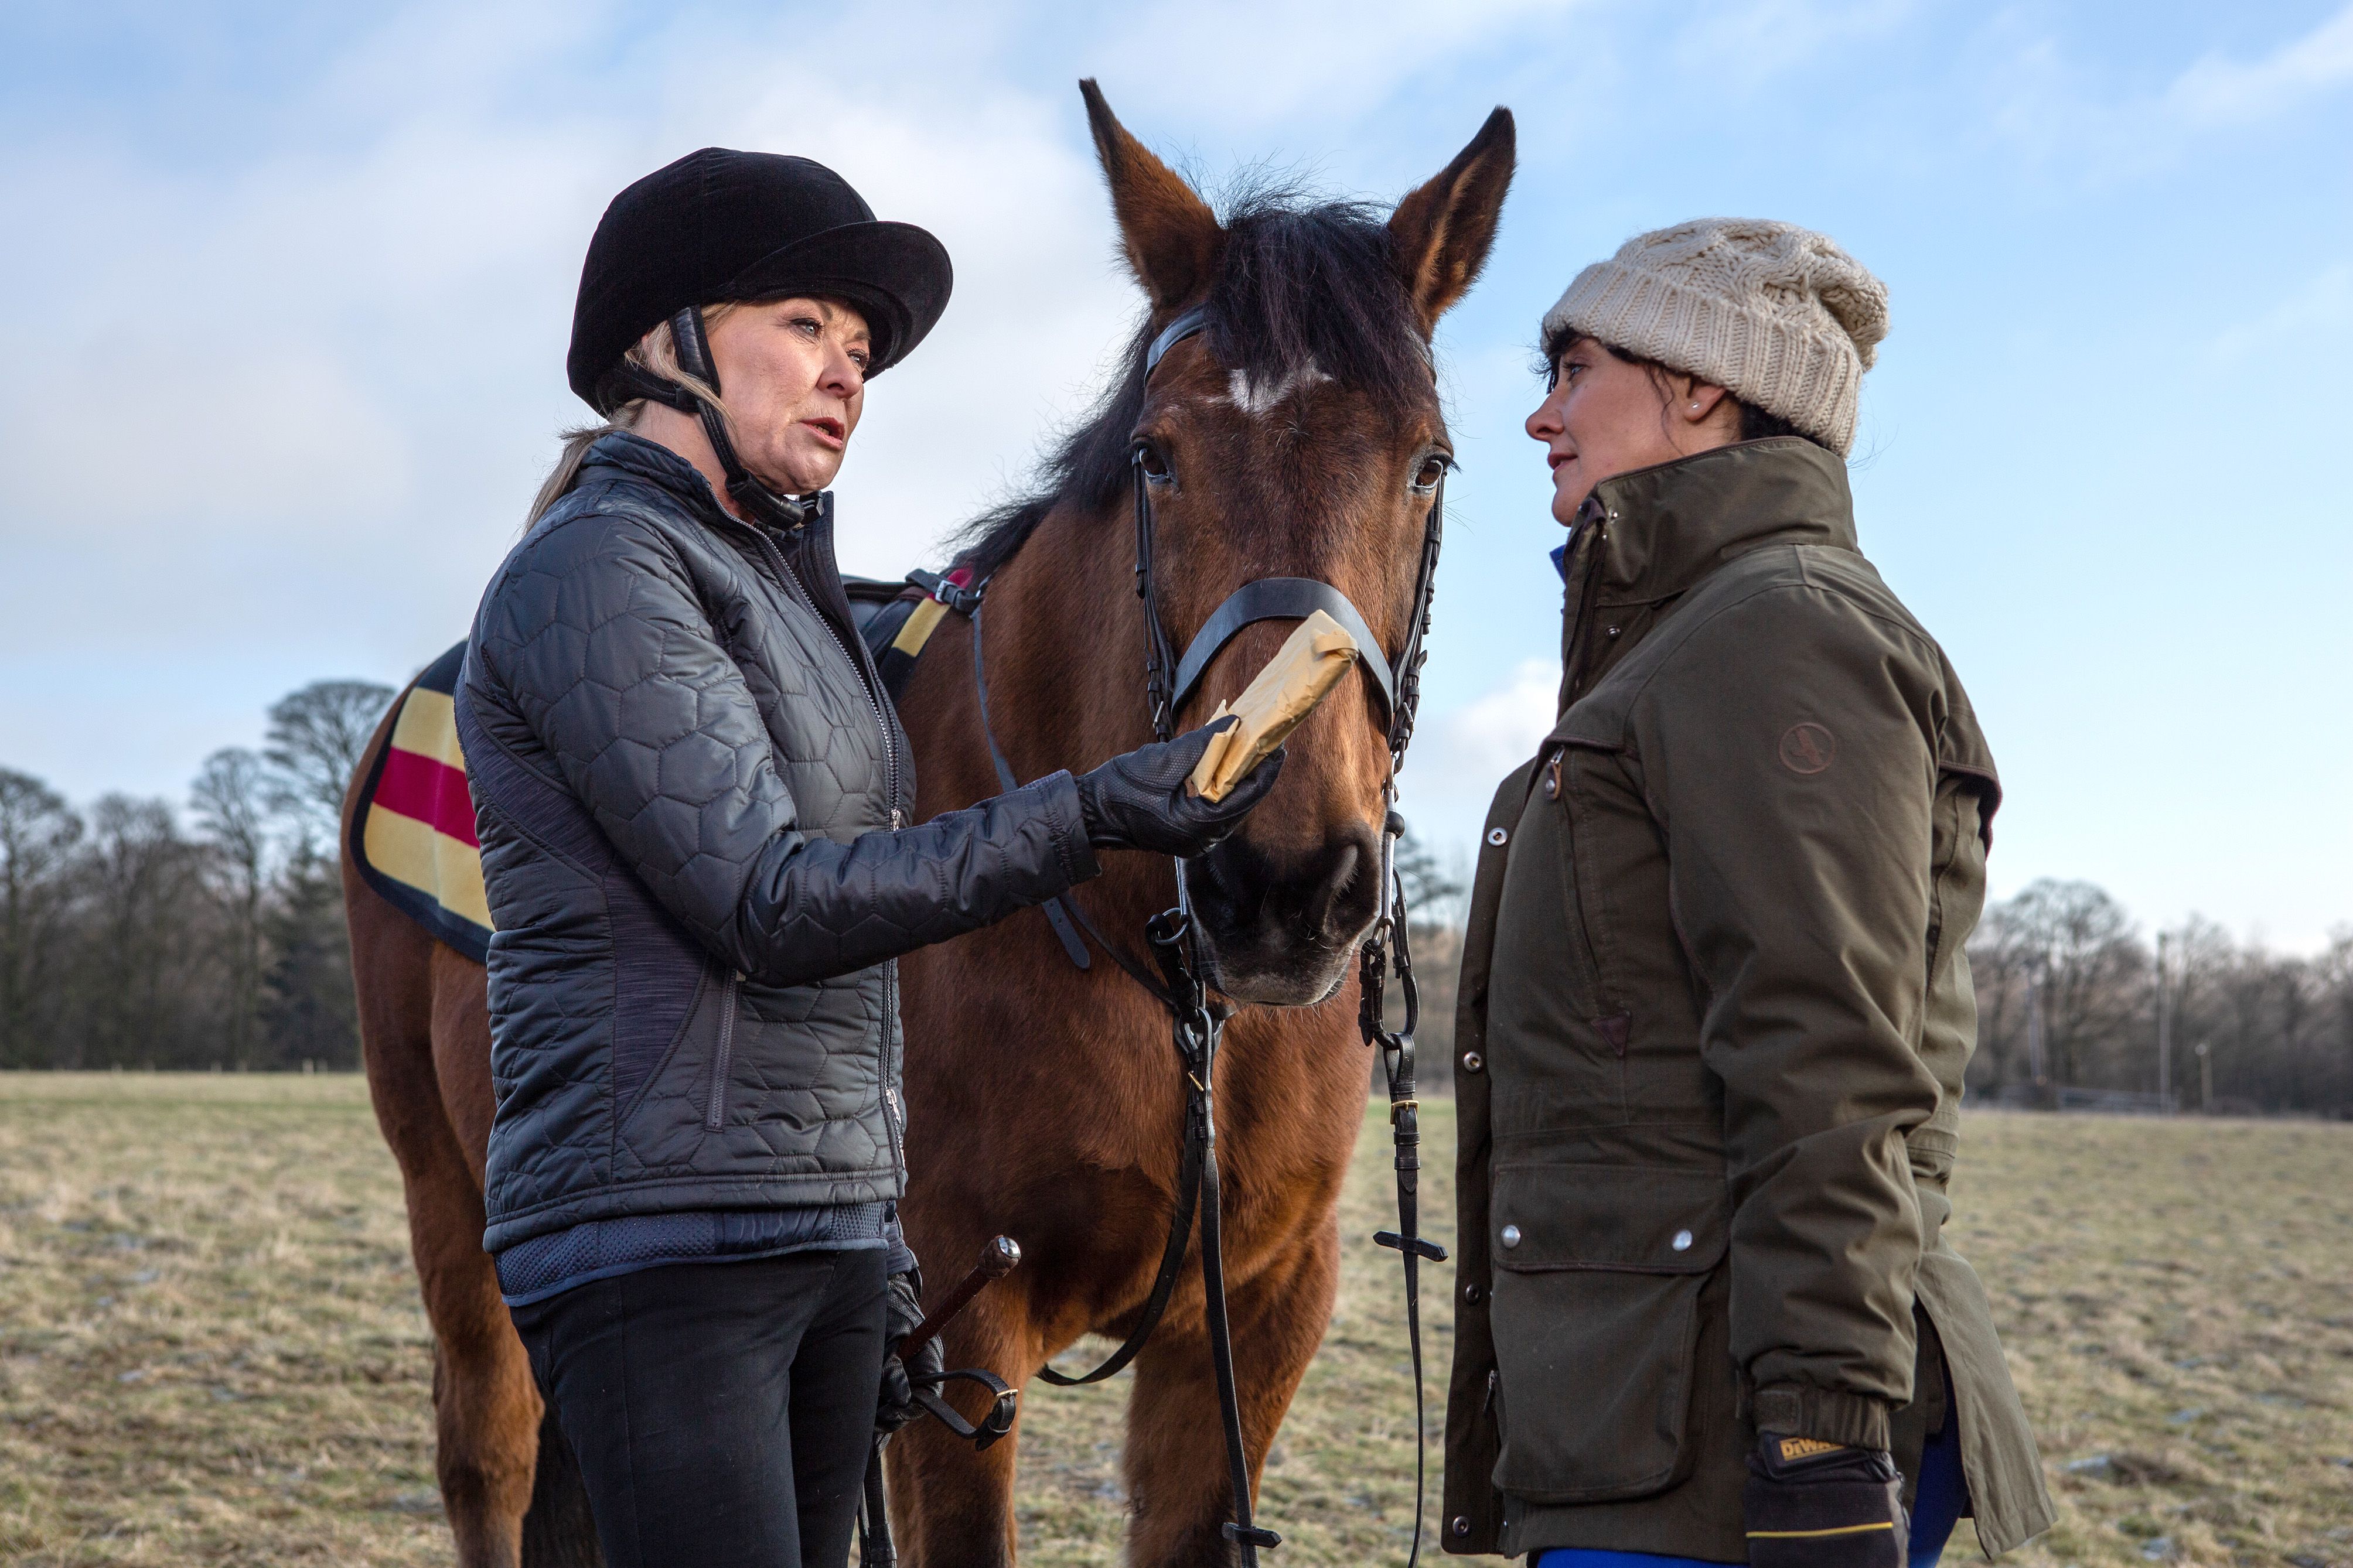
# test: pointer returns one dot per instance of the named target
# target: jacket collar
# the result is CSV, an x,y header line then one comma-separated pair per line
x,y
1666,526
658,465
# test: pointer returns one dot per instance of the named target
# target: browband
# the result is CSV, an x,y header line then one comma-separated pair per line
x,y
1193,320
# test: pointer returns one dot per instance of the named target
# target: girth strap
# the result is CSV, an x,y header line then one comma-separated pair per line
x,y
1280,599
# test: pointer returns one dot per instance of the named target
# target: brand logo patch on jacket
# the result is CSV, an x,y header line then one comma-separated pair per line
x,y
1808,747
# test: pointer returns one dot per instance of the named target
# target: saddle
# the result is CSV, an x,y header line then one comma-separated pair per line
x,y
412,831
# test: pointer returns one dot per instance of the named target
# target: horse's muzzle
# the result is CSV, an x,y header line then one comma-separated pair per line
x,y
1281,929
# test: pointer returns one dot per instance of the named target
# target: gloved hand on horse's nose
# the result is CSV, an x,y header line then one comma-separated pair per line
x,y
897,1406
1138,800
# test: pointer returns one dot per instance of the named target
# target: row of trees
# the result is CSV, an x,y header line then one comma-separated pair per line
x,y
2063,974
2069,999
133,936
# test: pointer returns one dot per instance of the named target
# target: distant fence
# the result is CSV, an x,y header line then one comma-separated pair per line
x,y
2102,1101
2118,1101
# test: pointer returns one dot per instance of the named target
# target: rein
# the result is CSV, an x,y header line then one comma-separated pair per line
x,y
1197,1023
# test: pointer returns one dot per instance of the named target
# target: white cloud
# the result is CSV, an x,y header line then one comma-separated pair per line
x,y
2322,308
1461,755
348,365
2217,91
295,389
1753,43
1252,62
2055,108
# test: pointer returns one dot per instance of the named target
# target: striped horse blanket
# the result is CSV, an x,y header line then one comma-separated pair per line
x,y
412,835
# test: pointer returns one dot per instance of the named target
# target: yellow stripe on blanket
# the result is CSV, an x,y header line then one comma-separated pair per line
x,y
428,723
442,868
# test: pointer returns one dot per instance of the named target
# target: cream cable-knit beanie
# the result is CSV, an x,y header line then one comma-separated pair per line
x,y
1778,315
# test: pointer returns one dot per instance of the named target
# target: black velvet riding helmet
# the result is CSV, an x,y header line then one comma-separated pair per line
x,y
721,225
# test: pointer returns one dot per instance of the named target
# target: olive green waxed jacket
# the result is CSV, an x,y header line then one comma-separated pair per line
x,y
1715,1014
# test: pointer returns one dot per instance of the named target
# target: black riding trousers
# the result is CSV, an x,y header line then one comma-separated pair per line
x,y
721,1413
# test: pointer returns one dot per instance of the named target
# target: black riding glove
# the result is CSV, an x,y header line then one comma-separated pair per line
x,y
1812,1504
897,1404
1138,800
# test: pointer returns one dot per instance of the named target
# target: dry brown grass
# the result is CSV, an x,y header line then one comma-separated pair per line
x,y
210,1346
2177,1299
210,1349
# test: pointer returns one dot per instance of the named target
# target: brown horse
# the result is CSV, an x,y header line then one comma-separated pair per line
x,y
1301,436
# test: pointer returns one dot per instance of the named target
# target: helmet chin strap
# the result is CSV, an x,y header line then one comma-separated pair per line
x,y
755,501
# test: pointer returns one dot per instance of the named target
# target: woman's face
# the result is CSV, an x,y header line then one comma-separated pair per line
x,y
1605,415
793,374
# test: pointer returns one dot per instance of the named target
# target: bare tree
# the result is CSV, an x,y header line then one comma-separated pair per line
x,y
146,948
2002,958
232,798
2091,972
314,742
37,835
1434,909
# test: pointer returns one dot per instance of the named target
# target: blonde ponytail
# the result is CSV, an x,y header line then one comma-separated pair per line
x,y
657,352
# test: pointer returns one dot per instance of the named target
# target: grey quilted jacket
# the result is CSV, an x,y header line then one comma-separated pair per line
x,y
692,797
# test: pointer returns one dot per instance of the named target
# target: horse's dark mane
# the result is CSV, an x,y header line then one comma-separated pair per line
x,y
1298,283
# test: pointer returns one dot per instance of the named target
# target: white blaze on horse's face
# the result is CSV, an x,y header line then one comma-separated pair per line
x,y
1258,401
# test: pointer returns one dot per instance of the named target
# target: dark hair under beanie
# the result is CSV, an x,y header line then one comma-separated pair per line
x,y
719,226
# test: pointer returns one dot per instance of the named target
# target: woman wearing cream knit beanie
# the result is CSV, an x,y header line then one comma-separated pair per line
x,y
1777,315
1715,1017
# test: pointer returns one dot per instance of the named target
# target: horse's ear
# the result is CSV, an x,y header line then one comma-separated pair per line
x,y
1172,237
1441,232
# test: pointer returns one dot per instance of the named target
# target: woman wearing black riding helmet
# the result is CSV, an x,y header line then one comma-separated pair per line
x,y
693,802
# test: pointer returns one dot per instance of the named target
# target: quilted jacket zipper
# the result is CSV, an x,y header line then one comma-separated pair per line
x,y
890,1116
715,1111
794,585
873,703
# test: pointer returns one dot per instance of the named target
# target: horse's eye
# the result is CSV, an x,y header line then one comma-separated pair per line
x,y
1155,466
1426,478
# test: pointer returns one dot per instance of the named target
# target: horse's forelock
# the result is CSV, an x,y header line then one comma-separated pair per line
x,y
1301,286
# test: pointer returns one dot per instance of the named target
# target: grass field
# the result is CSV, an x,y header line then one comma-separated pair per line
x,y
211,1352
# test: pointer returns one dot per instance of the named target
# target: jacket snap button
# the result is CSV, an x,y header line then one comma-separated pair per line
x,y
1615,630
1461,1525
1511,1236
1496,836
1472,1293
1681,1243
1473,1061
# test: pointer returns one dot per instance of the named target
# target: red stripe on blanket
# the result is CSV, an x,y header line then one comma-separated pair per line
x,y
432,792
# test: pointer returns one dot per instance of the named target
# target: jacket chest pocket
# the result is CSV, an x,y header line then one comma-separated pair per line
x,y
1556,1040
1559,822
1597,1274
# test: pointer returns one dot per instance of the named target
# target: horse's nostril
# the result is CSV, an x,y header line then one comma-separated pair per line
x,y
1332,894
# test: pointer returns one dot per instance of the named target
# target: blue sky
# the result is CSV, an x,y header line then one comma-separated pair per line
x,y
289,289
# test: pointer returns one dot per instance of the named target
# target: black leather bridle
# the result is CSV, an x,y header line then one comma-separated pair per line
x,y
1170,681
1197,1024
